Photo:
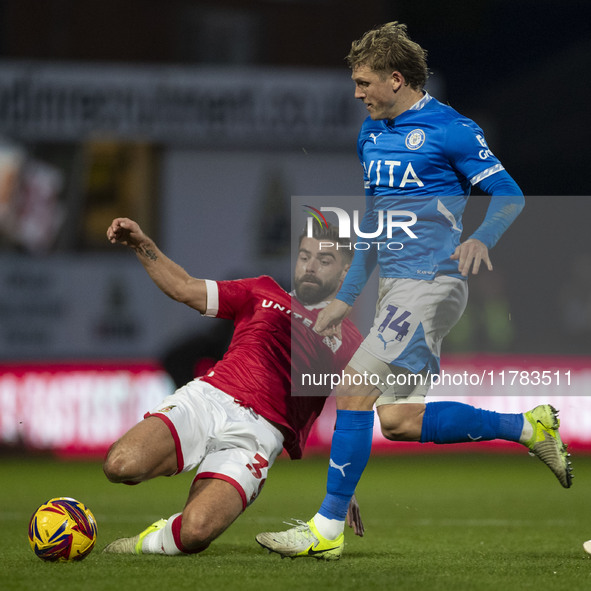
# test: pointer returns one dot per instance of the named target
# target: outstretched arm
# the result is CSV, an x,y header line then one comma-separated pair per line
x,y
171,278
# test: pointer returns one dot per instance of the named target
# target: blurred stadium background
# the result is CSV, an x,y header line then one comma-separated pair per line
x,y
201,120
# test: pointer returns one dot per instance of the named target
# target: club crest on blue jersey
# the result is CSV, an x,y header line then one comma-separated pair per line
x,y
415,139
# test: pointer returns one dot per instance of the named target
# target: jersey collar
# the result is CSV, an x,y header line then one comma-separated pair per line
x,y
421,102
318,306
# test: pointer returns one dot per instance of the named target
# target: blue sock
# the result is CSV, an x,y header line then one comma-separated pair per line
x,y
349,453
454,422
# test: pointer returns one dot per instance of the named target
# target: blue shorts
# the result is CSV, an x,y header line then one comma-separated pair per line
x,y
412,318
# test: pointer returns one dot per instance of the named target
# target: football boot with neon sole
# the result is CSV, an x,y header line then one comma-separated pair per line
x,y
133,545
546,443
303,540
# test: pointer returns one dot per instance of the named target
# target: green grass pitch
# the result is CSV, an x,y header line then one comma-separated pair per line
x,y
452,522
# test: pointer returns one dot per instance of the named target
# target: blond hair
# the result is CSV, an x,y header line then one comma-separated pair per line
x,y
388,48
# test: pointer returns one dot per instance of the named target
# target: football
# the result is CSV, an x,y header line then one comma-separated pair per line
x,y
61,530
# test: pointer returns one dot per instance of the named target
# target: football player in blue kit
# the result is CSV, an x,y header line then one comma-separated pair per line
x,y
420,159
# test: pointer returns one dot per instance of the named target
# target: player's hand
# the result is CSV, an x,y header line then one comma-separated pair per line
x,y
470,255
354,518
126,232
328,322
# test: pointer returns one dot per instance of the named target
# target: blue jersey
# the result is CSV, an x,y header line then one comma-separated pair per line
x,y
421,165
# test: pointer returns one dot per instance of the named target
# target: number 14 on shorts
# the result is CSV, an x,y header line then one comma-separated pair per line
x,y
396,322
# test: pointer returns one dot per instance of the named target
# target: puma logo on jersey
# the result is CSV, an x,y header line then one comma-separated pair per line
x,y
337,467
374,137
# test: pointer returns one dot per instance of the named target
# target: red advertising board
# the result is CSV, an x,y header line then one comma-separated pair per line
x,y
81,408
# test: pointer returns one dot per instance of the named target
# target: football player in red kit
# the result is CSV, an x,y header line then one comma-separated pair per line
x,y
232,423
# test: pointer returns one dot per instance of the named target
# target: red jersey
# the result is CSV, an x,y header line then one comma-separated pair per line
x,y
273,344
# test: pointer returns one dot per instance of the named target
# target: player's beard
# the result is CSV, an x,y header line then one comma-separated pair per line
x,y
314,291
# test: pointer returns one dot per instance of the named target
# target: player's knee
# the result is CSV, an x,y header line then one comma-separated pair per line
x,y
394,431
401,426
346,399
196,532
119,466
